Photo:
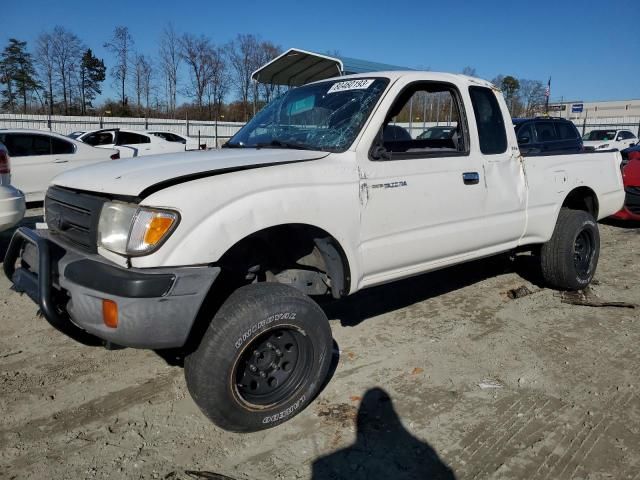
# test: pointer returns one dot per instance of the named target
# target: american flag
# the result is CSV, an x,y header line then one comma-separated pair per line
x,y
547,91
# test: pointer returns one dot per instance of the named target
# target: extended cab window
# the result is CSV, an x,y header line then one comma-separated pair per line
x,y
425,121
491,129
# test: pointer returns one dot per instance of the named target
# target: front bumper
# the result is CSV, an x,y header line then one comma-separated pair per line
x,y
12,206
156,308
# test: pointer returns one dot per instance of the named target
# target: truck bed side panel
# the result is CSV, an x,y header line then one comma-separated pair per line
x,y
552,178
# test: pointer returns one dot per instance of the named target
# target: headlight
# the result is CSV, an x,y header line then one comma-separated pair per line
x,y
604,145
132,230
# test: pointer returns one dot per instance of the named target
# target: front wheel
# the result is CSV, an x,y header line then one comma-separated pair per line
x,y
262,360
569,259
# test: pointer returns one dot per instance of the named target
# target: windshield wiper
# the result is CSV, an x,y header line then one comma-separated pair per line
x,y
281,144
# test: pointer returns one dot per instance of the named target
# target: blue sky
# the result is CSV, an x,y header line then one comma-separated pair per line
x,y
590,49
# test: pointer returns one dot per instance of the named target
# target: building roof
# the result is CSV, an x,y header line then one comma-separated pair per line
x,y
297,67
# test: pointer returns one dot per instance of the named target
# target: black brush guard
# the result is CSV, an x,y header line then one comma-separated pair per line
x,y
39,287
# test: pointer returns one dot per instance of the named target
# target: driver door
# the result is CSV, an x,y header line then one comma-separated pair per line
x,y
421,197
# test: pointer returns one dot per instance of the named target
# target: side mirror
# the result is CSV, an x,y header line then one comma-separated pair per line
x,y
523,140
378,152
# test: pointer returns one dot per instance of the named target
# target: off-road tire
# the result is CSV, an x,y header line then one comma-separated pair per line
x,y
569,259
263,328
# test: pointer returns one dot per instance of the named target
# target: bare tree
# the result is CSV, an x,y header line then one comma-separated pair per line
x,y
67,50
267,51
170,63
219,83
532,97
244,60
121,45
199,55
469,71
45,61
142,79
147,86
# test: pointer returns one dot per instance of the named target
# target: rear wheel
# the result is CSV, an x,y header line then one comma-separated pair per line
x,y
570,258
262,360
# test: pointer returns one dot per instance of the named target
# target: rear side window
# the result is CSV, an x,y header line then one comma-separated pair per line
x,y
625,135
41,145
491,129
61,147
99,138
169,137
25,145
130,138
19,145
545,132
525,134
566,131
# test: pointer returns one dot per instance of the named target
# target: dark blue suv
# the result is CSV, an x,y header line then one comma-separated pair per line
x,y
547,135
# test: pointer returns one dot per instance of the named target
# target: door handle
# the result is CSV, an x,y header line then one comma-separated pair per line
x,y
61,161
471,178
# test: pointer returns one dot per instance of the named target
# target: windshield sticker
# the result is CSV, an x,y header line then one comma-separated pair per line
x,y
360,84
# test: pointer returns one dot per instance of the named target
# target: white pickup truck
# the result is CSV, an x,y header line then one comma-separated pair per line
x,y
324,192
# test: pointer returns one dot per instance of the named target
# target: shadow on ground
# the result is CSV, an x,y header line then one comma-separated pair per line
x,y
376,301
383,449
624,224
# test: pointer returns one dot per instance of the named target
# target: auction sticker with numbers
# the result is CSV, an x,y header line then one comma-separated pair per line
x,y
359,84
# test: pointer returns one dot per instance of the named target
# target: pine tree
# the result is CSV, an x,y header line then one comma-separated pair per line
x,y
18,74
92,74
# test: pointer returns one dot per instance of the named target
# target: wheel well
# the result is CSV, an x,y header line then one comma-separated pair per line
x,y
583,198
291,253
265,256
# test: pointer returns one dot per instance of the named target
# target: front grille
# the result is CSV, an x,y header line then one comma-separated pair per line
x,y
632,199
73,216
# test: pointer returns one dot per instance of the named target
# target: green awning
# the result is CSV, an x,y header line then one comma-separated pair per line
x,y
297,67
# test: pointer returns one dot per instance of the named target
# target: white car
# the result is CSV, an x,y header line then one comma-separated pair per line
x,y
188,142
218,253
609,139
130,143
38,156
12,205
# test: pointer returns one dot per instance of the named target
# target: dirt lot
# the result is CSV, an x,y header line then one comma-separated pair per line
x,y
440,376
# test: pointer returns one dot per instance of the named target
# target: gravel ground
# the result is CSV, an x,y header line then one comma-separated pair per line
x,y
440,376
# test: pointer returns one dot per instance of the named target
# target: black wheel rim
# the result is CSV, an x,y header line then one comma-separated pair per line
x,y
583,250
273,366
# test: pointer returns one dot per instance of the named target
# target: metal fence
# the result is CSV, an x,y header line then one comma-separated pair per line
x,y
210,132
586,124
215,133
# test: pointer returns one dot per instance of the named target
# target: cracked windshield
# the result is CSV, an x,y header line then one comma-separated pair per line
x,y
322,116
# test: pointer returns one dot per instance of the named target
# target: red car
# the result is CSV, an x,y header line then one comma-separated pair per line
x,y
631,177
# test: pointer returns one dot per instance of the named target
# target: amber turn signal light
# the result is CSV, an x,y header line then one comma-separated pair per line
x,y
157,228
110,313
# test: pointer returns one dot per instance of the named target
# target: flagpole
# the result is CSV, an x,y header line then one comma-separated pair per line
x,y
548,92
